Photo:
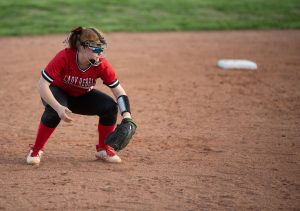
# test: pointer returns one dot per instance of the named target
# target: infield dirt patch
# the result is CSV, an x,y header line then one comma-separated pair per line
x,y
207,138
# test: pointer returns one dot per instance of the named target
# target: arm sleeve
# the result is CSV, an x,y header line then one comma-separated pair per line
x,y
108,75
54,69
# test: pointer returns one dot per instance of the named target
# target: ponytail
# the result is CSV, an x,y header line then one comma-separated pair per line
x,y
74,36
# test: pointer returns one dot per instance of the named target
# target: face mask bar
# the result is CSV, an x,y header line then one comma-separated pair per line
x,y
95,47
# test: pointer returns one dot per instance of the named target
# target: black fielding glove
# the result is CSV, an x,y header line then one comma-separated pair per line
x,y
120,138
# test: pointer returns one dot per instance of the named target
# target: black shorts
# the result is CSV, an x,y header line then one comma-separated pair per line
x,y
93,102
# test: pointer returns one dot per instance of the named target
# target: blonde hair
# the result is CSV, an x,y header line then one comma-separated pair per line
x,y
80,35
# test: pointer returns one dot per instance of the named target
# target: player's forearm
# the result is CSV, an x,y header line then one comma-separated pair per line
x,y
46,94
119,91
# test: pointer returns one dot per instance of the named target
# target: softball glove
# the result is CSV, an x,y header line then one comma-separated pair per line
x,y
120,138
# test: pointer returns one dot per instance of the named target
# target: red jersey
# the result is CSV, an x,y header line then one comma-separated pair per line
x,y
63,71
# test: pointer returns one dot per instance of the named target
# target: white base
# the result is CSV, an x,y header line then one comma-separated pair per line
x,y
236,64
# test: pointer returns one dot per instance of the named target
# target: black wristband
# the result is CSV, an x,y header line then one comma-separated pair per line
x,y
123,103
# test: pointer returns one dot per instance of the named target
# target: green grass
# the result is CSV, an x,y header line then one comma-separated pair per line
x,y
29,17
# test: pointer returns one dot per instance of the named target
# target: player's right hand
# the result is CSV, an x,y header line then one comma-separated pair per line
x,y
63,114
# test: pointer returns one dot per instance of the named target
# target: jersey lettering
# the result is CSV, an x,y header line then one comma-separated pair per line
x,y
84,83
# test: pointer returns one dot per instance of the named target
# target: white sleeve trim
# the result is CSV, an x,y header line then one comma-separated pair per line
x,y
114,84
46,76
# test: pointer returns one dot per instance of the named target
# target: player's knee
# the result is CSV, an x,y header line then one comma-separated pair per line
x,y
109,117
113,108
50,118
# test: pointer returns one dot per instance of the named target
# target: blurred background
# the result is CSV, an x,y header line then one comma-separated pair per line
x,y
31,17
207,139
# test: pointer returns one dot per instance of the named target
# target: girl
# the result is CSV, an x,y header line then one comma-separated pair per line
x,y
67,85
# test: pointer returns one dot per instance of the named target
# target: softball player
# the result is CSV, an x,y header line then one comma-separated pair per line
x,y
67,85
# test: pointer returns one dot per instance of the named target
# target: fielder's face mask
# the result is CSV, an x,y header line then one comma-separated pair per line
x,y
96,47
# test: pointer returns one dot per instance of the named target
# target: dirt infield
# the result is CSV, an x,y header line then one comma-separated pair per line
x,y
207,139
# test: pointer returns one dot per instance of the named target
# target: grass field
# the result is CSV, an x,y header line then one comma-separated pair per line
x,y
29,17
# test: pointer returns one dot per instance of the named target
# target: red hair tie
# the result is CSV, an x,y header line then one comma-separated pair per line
x,y
78,30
